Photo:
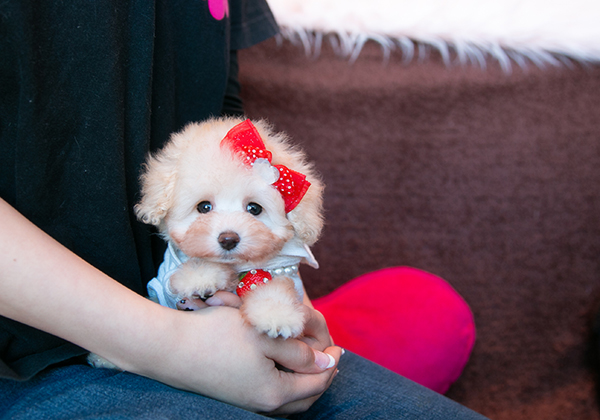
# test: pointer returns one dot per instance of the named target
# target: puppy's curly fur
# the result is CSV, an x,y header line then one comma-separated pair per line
x,y
194,154
193,170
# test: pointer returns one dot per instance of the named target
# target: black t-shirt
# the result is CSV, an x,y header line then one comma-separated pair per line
x,y
87,89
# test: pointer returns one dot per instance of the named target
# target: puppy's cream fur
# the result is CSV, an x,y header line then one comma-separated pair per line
x,y
266,307
193,168
193,164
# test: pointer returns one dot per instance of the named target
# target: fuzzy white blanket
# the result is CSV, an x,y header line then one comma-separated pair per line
x,y
543,31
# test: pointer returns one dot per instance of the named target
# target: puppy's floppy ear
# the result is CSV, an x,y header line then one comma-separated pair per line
x,y
158,185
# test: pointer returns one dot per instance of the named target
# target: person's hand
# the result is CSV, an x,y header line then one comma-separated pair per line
x,y
215,353
315,334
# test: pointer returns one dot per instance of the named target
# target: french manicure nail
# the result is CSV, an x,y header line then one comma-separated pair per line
x,y
324,360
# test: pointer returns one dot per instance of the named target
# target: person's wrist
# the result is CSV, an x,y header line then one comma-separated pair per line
x,y
144,340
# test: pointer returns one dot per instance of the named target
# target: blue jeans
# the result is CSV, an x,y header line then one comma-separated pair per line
x,y
361,390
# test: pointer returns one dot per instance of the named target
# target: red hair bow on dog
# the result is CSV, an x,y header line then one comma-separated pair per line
x,y
245,141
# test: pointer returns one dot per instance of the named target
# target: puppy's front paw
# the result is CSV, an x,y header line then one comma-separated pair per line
x,y
197,278
274,309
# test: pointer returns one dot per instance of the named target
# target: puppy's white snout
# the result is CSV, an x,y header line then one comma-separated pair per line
x,y
229,240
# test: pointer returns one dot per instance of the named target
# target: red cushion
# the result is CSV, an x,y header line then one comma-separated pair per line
x,y
406,320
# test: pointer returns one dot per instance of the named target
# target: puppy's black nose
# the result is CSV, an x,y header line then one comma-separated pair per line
x,y
229,240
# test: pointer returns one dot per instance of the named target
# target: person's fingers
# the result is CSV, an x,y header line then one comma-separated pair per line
x,y
311,386
222,298
316,333
299,357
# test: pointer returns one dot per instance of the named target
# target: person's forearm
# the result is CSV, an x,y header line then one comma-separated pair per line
x,y
211,351
46,286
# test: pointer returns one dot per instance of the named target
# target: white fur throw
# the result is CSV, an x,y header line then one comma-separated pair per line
x,y
541,31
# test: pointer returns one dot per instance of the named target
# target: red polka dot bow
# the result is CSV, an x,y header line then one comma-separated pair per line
x,y
247,144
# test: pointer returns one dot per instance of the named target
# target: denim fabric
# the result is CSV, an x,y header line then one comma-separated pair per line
x,y
362,390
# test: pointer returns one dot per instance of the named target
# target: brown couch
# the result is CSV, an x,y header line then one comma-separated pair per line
x,y
487,179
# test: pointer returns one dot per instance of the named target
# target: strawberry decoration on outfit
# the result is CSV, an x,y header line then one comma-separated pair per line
x,y
245,141
251,280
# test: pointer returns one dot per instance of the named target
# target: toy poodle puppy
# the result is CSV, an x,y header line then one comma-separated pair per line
x,y
239,207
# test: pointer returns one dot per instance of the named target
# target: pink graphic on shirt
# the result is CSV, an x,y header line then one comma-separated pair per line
x,y
218,8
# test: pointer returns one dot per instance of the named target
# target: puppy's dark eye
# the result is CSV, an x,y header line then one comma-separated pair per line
x,y
204,207
254,209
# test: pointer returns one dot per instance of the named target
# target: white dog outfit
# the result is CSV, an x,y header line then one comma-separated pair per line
x,y
293,253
